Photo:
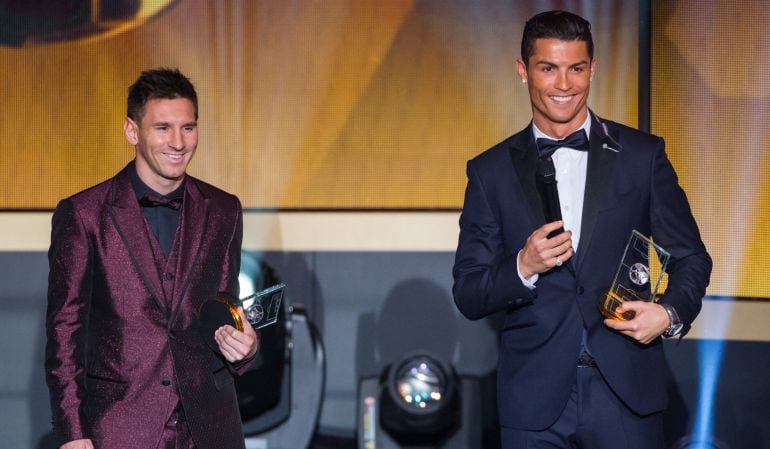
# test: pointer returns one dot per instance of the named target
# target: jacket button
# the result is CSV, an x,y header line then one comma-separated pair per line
x,y
580,290
519,301
172,334
169,276
165,382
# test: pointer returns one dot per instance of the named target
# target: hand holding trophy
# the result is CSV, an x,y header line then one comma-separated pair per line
x,y
634,278
261,309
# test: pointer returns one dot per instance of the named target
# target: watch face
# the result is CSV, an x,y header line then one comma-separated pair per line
x,y
673,330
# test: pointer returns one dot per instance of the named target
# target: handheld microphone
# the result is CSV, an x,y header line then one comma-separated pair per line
x,y
549,194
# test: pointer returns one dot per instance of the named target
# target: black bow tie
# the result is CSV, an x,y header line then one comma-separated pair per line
x,y
576,141
151,200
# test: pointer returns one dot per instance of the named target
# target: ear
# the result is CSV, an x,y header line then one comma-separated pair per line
x,y
522,69
131,131
593,68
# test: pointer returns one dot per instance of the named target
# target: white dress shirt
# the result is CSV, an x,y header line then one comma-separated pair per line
x,y
571,167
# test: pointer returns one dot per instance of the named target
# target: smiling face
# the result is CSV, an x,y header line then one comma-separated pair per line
x,y
558,75
165,141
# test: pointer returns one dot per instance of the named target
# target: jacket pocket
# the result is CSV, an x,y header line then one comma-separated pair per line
x,y
105,388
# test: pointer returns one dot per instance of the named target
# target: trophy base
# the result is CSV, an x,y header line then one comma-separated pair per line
x,y
609,305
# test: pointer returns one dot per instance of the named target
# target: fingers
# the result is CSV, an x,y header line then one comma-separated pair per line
x,y
235,345
561,258
648,324
548,228
78,444
248,330
541,254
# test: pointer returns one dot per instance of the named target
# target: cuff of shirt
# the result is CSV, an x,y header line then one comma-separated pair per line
x,y
528,282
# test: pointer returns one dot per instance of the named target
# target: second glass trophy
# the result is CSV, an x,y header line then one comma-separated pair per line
x,y
635,280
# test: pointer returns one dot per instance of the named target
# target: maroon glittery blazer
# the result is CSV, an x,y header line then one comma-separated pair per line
x,y
120,350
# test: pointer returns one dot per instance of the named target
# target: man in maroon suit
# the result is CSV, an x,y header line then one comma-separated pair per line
x,y
131,261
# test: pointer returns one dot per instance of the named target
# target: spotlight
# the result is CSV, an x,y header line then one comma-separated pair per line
x,y
419,402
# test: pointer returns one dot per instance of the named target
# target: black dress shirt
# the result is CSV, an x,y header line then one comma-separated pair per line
x,y
162,220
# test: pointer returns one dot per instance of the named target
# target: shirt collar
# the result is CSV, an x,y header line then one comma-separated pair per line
x,y
586,126
141,189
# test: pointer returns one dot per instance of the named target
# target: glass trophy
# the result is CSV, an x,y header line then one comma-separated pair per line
x,y
261,309
636,279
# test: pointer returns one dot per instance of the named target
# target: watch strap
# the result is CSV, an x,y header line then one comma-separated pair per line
x,y
675,323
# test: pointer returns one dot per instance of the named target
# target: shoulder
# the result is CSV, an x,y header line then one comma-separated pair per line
x,y
501,152
628,137
209,191
90,198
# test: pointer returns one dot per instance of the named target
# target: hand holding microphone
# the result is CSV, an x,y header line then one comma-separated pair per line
x,y
550,245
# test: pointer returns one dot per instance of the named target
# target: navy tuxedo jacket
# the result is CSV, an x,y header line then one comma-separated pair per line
x,y
117,343
630,184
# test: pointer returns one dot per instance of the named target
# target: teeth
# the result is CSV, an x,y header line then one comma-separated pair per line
x,y
559,99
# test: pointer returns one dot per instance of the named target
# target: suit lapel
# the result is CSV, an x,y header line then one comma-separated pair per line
x,y
601,160
129,221
192,226
524,155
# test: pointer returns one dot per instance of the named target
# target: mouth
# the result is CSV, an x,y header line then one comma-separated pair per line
x,y
175,157
561,99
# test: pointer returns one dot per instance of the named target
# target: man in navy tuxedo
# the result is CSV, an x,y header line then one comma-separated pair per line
x,y
567,377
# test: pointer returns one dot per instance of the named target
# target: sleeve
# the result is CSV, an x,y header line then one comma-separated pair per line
x,y
674,228
486,277
230,273
69,298
232,260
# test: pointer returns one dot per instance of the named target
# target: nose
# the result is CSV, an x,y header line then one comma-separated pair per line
x,y
177,141
563,81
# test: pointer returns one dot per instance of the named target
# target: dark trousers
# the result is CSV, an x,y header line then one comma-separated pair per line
x,y
594,418
176,434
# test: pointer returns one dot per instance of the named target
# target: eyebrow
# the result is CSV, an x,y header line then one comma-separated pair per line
x,y
167,124
553,64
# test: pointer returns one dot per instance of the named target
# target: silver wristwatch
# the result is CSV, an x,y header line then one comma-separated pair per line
x,y
675,324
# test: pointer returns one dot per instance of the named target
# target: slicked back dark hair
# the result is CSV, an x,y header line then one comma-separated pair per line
x,y
561,25
161,83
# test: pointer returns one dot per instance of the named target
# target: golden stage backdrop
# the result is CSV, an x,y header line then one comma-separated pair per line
x,y
711,101
364,104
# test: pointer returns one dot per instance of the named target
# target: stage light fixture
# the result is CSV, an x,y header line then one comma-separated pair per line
x,y
420,401
280,396
261,388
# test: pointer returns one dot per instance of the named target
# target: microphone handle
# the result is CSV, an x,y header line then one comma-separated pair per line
x,y
551,206
549,194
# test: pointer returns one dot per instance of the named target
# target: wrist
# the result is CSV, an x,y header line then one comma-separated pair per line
x,y
674,322
521,268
